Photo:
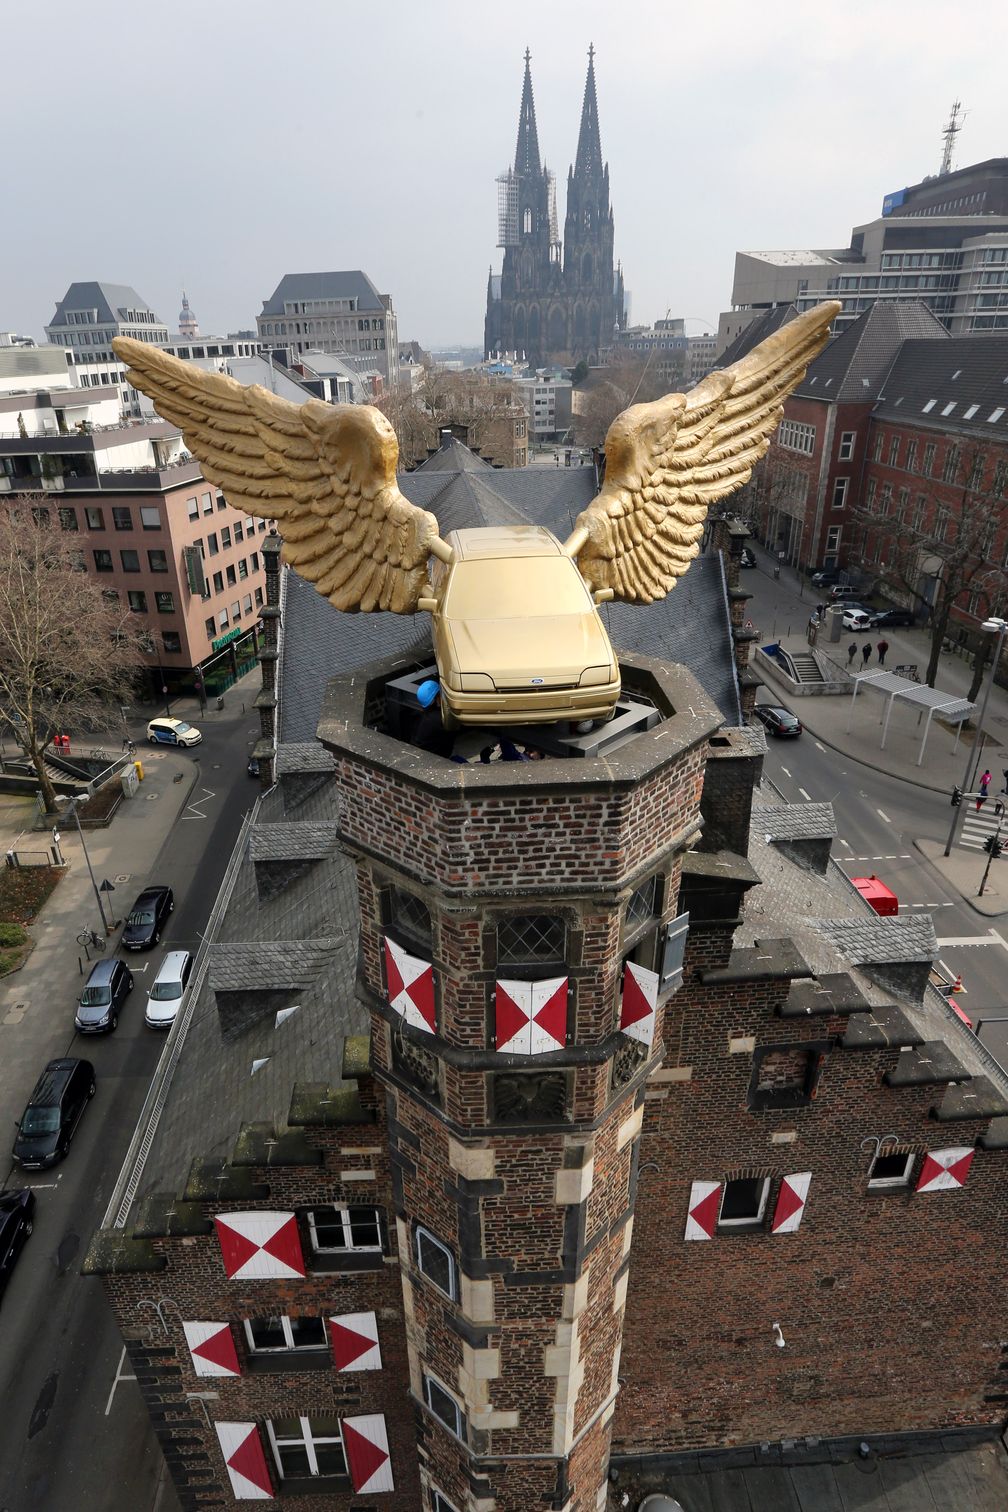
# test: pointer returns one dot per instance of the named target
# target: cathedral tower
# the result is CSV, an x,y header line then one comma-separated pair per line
x,y
549,305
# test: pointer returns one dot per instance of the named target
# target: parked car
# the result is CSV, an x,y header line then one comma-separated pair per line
x,y
889,619
747,559
825,577
107,988
778,720
54,1110
168,989
253,766
173,732
840,591
147,918
857,619
17,1210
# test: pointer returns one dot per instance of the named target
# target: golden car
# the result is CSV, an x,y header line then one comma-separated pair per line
x,y
517,634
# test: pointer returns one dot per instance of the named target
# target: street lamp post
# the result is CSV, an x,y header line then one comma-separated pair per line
x,y
87,858
990,625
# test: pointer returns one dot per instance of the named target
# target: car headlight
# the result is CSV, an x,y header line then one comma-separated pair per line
x,y
477,682
595,677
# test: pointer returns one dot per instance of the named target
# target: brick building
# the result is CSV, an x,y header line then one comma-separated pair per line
x,y
535,1129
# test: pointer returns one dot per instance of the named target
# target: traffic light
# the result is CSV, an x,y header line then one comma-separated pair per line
x,y
956,797
993,846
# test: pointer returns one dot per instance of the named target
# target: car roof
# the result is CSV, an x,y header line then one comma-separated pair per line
x,y
151,892
503,541
102,971
171,966
164,720
54,1078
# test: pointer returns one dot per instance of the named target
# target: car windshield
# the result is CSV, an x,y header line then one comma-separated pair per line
x,y
515,588
163,992
141,916
40,1121
182,728
96,997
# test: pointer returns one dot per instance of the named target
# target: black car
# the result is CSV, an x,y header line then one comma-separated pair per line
x,y
778,720
253,766
746,559
888,619
825,577
54,1110
147,918
105,991
17,1210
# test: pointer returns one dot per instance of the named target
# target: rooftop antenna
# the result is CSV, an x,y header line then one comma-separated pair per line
x,y
950,133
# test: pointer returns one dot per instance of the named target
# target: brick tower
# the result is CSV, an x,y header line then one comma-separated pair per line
x,y
517,936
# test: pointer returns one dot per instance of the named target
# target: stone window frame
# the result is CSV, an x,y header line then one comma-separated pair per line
x,y
422,1234
290,1345
308,1442
461,1428
531,966
790,1097
392,919
439,1502
348,1256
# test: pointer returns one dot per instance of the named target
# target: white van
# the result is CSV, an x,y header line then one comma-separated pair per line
x,y
168,989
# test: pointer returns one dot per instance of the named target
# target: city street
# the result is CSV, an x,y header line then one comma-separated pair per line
x,y
880,817
73,1431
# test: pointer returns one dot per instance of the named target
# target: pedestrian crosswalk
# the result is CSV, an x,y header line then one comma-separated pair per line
x,y
976,827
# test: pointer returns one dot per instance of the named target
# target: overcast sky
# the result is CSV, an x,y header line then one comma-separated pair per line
x,y
221,144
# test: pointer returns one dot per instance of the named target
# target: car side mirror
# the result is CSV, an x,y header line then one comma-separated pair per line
x,y
603,595
428,604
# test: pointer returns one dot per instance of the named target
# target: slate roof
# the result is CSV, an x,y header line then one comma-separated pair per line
x,y
453,456
911,1473
795,821
959,384
873,940
349,284
107,298
299,840
852,368
295,949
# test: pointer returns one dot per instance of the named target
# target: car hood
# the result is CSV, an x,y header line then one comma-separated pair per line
x,y
93,1013
35,1146
162,1013
515,651
137,934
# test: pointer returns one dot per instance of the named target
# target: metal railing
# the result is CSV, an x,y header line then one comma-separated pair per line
x,y
131,1173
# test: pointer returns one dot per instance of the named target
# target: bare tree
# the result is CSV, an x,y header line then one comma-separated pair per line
x,y
943,546
486,408
68,653
612,390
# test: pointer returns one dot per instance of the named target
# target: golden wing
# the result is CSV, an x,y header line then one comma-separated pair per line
x,y
667,462
325,473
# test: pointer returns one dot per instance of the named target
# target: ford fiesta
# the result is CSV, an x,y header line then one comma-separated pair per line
x,y
517,634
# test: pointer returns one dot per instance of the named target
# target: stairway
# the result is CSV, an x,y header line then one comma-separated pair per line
x,y
806,667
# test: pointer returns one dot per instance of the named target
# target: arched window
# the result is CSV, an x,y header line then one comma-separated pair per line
x,y
527,223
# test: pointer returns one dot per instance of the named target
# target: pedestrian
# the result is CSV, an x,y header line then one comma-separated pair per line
x,y
866,653
852,652
821,611
882,648
985,782
1005,770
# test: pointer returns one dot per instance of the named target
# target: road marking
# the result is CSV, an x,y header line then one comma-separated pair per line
x,y
818,746
927,905
805,795
118,1377
847,843
883,816
990,938
193,810
785,771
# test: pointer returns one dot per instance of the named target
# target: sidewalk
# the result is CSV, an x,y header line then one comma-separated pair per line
x,y
32,1029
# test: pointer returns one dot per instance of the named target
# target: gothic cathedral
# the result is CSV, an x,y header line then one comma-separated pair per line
x,y
555,304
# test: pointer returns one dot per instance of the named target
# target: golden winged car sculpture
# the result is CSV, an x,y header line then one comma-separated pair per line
x,y
517,633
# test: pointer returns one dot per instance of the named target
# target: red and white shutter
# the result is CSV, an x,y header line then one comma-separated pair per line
x,y
243,1454
367,1452
639,1002
791,1199
704,1206
531,1017
944,1170
410,987
212,1348
258,1246
354,1339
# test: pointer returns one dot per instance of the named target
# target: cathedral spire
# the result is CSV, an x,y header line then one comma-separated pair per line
x,y
589,148
526,161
